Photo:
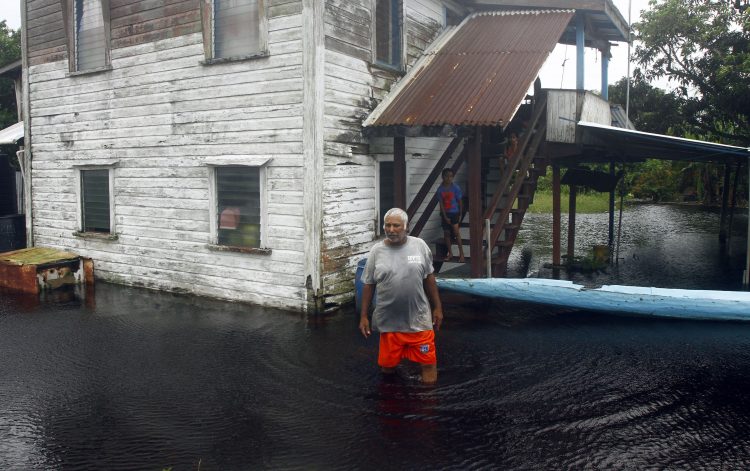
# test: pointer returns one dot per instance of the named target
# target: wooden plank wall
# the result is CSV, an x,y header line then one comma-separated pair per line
x,y
159,113
561,116
353,88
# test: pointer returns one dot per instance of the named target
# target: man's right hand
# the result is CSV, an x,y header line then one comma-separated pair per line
x,y
364,326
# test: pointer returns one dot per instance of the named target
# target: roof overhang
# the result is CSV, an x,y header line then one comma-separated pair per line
x,y
604,22
631,145
12,134
12,70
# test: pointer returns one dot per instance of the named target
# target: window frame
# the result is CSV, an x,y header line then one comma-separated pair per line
x,y
208,30
79,199
401,66
71,33
213,203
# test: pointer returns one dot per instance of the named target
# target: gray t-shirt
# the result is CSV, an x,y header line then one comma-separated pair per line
x,y
398,273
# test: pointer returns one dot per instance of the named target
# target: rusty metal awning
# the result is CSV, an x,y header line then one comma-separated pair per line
x,y
475,74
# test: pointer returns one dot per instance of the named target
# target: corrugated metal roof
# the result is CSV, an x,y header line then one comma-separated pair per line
x,y
477,74
12,134
619,118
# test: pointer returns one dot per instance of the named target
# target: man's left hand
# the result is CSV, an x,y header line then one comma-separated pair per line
x,y
437,317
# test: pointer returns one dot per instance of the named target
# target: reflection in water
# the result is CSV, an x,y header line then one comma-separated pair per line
x,y
665,246
135,379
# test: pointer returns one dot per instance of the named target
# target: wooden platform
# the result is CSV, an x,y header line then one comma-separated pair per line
x,y
40,268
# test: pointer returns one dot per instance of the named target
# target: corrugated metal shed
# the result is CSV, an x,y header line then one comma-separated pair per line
x,y
619,118
477,74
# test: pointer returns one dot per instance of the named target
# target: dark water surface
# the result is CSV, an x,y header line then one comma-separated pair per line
x,y
132,379
666,246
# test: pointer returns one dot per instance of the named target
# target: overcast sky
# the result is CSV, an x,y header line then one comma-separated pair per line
x,y
10,11
554,74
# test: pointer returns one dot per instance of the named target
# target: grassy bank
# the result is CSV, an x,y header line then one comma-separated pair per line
x,y
585,203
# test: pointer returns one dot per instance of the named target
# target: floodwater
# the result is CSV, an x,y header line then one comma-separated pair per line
x,y
124,378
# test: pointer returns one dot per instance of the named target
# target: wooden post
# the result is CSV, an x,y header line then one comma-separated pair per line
x,y
746,277
580,51
399,172
733,200
28,155
572,223
555,215
611,239
474,190
724,204
605,71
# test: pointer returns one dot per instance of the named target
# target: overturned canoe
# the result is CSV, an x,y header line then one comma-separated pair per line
x,y
663,302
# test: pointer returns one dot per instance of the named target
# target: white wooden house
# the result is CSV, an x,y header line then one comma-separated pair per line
x,y
216,147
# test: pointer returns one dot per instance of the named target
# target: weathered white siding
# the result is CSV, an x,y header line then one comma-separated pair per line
x,y
566,107
353,86
159,114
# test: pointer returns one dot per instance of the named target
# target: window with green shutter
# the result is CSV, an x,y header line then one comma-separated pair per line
x,y
95,200
238,198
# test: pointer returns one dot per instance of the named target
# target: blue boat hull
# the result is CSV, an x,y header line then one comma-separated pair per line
x,y
662,302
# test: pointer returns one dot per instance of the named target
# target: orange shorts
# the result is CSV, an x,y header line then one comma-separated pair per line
x,y
415,346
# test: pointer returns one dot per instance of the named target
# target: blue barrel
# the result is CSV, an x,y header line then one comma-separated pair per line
x,y
359,285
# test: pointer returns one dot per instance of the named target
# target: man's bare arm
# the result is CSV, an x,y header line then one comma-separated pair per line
x,y
364,322
430,287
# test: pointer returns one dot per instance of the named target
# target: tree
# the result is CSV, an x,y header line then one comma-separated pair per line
x,y
10,51
704,47
651,109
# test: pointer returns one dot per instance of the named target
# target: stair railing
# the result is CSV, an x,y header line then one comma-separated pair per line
x,y
514,160
518,165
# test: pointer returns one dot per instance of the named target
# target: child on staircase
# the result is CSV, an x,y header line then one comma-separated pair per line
x,y
451,208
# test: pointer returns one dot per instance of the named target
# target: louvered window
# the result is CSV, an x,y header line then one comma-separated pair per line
x,y
95,200
238,198
90,37
388,32
237,28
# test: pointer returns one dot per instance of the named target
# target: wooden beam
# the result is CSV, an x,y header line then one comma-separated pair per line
x,y
580,50
555,215
474,190
28,155
746,277
313,63
572,223
724,203
612,196
399,172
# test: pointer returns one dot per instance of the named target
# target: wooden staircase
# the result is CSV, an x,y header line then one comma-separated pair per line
x,y
508,188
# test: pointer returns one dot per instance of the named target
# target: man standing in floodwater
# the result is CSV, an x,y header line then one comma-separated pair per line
x,y
400,269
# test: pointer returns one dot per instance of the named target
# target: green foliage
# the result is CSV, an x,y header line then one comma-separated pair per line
x,y
651,109
656,181
10,51
704,48
593,202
